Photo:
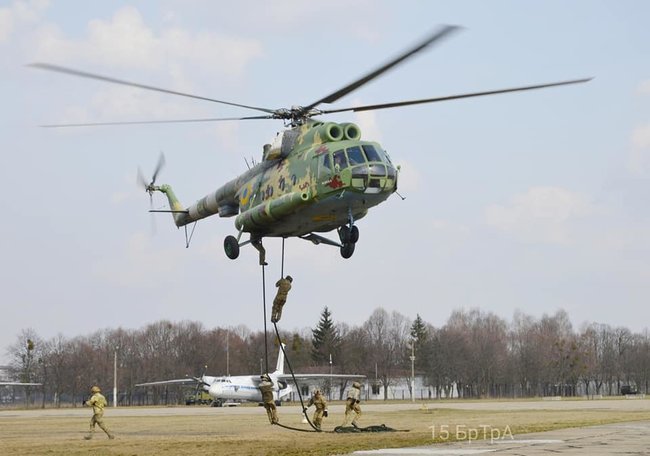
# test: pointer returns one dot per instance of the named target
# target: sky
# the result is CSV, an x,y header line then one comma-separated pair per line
x,y
529,202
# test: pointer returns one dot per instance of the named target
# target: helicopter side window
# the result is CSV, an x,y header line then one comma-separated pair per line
x,y
356,156
340,160
372,153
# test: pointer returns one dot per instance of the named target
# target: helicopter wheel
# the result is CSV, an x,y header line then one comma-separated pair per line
x,y
231,247
347,250
354,234
344,234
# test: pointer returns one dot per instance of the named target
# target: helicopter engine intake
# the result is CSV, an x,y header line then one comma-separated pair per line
x,y
351,131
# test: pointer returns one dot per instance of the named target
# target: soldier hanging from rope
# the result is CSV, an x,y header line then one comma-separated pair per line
x,y
284,285
257,243
266,388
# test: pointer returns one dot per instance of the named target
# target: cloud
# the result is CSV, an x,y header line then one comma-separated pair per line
x,y
126,47
644,88
18,14
638,163
125,40
6,24
409,177
542,214
367,121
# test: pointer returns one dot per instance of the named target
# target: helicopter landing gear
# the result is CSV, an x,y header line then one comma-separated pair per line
x,y
349,236
354,234
231,247
347,250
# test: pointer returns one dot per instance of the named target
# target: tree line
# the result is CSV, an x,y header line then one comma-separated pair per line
x,y
474,354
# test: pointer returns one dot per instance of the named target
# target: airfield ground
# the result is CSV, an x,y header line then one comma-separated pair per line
x,y
246,431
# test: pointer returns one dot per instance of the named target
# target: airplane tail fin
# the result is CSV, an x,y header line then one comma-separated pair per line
x,y
279,368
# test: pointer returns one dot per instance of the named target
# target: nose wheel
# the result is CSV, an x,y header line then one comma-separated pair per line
x,y
349,237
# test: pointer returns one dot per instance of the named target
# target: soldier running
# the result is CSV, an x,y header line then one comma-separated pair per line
x,y
321,408
98,402
352,408
284,285
266,388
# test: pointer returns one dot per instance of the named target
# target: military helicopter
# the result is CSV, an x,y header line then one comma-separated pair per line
x,y
314,177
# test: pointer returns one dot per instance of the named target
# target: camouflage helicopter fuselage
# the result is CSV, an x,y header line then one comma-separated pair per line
x,y
315,177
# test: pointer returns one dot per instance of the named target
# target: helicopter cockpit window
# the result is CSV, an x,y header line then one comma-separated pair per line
x,y
355,156
340,160
372,153
326,162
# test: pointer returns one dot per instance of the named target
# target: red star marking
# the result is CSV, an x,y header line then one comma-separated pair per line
x,y
321,150
335,182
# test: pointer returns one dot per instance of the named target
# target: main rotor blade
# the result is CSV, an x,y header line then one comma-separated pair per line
x,y
97,124
84,74
455,97
439,34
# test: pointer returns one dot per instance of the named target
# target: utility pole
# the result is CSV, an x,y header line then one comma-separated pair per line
x,y
330,395
115,376
412,370
228,353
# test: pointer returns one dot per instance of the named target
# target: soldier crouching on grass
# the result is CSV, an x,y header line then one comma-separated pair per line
x,y
98,402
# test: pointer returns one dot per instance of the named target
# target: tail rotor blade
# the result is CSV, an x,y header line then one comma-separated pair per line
x,y
141,181
159,166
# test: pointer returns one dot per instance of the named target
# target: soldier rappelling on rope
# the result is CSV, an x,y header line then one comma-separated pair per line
x,y
283,285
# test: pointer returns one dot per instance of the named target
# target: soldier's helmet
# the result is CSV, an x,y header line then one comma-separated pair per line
x,y
95,389
265,377
289,278
356,385
316,392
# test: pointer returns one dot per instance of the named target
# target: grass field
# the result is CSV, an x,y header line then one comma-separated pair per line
x,y
245,431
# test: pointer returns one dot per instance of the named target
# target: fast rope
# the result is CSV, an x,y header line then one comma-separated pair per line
x,y
266,351
295,382
266,343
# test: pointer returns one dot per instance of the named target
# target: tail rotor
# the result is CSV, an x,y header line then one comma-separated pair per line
x,y
151,186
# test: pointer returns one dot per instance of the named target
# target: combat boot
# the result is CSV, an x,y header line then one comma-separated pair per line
x,y
88,437
111,436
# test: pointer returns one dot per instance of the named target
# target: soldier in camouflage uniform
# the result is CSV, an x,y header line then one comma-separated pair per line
x,y
352,409
266,388
98,402
284,285
321,408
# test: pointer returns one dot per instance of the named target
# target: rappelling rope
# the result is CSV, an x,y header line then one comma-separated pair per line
x,y
266,342
295,382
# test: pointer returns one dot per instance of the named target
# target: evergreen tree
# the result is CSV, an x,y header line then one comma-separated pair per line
x,y
419,336
325,339
418,332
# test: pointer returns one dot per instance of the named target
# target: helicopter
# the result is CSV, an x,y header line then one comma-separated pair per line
x,y
314,177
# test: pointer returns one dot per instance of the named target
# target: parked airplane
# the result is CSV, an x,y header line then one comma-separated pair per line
x,y
246,387
19,384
